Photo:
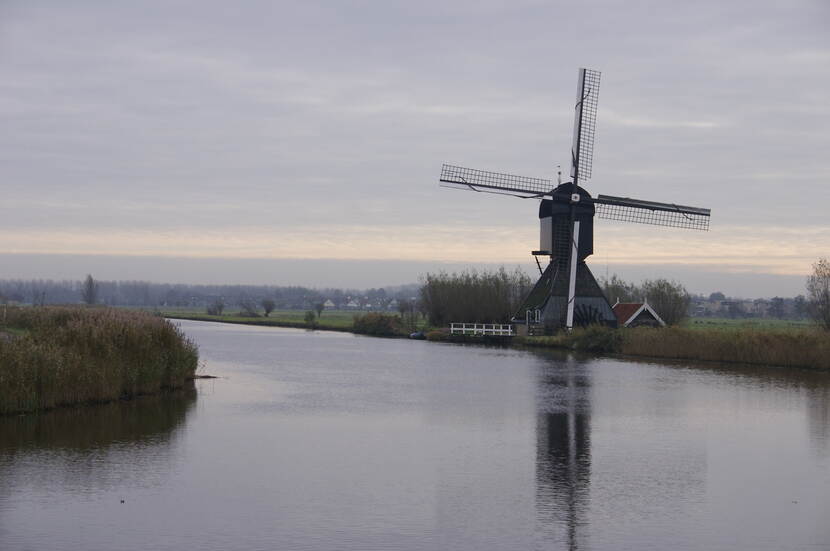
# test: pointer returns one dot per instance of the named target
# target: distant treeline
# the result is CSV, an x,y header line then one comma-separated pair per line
x,y
146,294
473,297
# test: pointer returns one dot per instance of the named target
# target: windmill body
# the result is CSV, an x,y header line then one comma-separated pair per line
x,y
547,303
567,293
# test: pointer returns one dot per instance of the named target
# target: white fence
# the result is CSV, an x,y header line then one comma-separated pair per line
x,y
497,329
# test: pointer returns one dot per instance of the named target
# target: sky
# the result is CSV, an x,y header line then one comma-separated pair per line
x,y
300,143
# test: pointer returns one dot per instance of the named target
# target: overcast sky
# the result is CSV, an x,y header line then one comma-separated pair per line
x,y
215,141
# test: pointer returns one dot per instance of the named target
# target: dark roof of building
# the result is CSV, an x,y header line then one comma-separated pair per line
x,y
624,310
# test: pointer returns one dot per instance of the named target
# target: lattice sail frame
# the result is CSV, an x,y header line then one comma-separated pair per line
x,y
585,123
471,178
648,212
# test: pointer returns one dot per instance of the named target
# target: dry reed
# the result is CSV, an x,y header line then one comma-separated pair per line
x,y
71,355
808,348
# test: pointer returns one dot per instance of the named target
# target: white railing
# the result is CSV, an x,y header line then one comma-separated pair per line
x,y
497,329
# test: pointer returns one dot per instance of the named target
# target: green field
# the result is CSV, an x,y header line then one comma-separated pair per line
x,y
333,320
735,324
338,320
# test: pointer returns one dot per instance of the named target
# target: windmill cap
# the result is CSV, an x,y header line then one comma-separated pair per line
x,y
548,207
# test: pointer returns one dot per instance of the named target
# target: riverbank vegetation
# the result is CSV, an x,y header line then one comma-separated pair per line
x,y
54,356
803,348
668,298
809,348
332,320
818,293
473,297
493,297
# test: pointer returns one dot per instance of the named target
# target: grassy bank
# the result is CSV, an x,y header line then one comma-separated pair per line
x,y
67,355
808,348
338,320
761,342
785,347
370,323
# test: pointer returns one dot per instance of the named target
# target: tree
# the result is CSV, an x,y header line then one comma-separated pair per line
x,y
89,290
248,308
668,298
268,305
800,307
615,289
735,309
818,293
716,296
776,307
407,311
473,297
216,307
319,307
311,319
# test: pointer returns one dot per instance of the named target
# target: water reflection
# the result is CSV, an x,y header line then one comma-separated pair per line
x,y
641,448
818,417
85,449
807,389
563,449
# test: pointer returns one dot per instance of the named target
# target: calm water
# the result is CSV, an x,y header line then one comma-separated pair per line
x,y
331,441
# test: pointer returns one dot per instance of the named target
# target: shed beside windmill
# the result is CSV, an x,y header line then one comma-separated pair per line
x,y
637,314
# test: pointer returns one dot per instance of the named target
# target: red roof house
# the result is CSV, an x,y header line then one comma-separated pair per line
x,y
636,314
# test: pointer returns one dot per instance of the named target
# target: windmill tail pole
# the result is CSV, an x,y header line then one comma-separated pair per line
x,y
569,319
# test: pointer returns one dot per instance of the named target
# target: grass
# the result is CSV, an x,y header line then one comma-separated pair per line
x,y
71,355
786,347
742,324
805,347
763,342
335,320
332,320
589,339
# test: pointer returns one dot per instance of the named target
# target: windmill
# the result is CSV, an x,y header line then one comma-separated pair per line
x,y
567,292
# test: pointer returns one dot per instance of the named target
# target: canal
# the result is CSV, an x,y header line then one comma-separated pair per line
x,y
321,440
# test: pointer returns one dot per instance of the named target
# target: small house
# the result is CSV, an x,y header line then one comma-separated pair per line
x,y
636,314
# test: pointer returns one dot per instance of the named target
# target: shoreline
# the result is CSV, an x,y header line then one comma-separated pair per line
x,y
720,346
261,322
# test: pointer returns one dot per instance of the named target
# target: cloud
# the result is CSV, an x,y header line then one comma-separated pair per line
x,y
186,128
731,249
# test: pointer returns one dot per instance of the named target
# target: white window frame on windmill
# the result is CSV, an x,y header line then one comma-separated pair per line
x,y
533,316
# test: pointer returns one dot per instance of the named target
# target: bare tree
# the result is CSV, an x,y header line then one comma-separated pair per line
x,y
615,289
268,305
216,307
818,293
89,290
319,307
668,298
248,308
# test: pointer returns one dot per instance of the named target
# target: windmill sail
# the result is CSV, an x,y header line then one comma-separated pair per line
x,y
496,182
585,122
650,212
567,293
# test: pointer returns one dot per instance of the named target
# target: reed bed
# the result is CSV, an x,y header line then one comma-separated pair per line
x,y
588,339
785,347
71,355
808,348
